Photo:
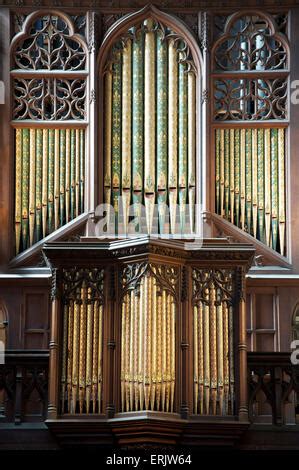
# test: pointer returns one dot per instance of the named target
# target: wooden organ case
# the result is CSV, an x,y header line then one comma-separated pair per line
x,y
148,340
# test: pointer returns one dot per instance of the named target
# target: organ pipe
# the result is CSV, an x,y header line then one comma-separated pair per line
x,y
49,168
148,318
213,353
81,376
255,161
150,128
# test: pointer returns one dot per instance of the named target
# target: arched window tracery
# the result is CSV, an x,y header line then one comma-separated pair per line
x,y
49,74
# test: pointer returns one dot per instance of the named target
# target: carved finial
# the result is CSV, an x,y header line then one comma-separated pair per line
x,y
54,286
92,96
184,294
112,283
204,96
92,33
240,283
204,30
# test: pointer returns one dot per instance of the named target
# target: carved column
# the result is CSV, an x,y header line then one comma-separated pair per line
x,y
93,182
109,347
185,366
204,100
54,349
242,347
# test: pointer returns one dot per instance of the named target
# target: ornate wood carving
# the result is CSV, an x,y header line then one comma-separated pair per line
x,y
24,387
205,30
49,43
220,279
116,5
49,99
246,99
54,283
270,51
167,277
271,379
75,279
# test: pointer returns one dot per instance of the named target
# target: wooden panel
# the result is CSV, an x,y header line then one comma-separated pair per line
x,y
36,321
265,342
264,304
28,316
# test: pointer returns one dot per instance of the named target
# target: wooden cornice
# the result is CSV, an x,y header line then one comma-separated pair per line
x,y
92,250
133,5
269,256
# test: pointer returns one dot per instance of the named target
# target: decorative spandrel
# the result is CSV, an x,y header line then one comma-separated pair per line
x,y
166,276
213,353
148,337
82,351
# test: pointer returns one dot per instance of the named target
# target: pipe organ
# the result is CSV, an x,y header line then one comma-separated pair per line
x,y
149,327
150,128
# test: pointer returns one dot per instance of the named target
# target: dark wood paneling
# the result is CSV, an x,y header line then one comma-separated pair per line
x,y
28,316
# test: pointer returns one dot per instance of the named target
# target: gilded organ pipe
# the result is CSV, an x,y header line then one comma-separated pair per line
x,y
213,350
32,186
45,180
82,346
148,334
150,133
251,164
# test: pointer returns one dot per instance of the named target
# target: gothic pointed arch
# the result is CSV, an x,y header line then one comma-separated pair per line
x,y
150,73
